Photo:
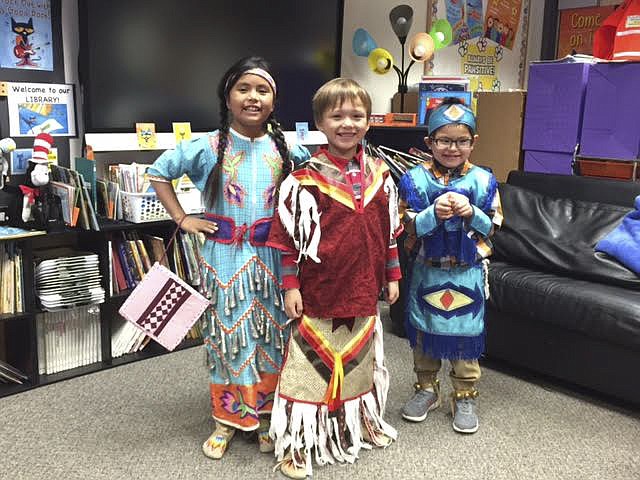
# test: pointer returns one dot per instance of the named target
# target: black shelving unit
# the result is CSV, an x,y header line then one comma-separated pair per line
x,y
20,334
399,138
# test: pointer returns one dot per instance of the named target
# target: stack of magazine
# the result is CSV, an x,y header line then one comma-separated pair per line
x,y
68,339
66,278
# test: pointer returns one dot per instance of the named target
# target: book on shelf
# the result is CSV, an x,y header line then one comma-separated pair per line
x,y
127,265
68,196
433,100
144,255
9,373
11,278
432,86
120,282
132,247
126,338
87,169
156,249
86,213
15,233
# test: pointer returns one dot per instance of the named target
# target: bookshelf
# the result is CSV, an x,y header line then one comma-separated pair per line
x,y
18,331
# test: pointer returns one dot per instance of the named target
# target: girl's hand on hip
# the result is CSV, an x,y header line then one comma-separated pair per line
x,y
197,225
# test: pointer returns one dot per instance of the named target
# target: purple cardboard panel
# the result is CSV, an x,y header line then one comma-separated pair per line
x,y
555,98
611,114
548,162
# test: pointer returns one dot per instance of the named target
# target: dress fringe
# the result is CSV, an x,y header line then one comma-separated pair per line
x,y
309,431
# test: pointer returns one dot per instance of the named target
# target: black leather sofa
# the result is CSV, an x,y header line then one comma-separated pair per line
x,y
557,307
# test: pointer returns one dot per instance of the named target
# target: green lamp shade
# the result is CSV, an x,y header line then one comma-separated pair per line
x,y
441,33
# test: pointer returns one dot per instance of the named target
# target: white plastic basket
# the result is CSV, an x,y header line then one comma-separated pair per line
x,y
145,207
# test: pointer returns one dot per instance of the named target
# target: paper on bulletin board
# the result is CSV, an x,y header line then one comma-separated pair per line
x,y
25,36
502,21
480,64
41,108
509,64
466,19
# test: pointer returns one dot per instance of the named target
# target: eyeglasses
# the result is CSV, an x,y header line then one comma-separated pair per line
x,y
460,143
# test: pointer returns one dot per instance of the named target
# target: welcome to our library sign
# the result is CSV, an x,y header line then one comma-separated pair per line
x,y
41,107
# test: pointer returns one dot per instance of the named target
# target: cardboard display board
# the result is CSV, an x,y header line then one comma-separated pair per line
x,y
498,147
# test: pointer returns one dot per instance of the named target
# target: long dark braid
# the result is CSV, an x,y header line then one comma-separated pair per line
x,y
213,181
275,132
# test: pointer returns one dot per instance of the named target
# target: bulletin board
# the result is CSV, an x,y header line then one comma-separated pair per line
x,y
489,42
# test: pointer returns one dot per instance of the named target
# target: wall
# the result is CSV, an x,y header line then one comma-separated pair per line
x,y
71,46
374,17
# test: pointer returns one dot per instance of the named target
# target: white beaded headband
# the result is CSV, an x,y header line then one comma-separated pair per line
x,y
260,72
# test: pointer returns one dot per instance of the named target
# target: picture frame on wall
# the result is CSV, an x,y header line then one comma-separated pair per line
x,y
20,160
26,42
41,108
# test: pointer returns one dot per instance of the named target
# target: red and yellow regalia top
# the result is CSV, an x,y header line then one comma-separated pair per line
x,y
338,234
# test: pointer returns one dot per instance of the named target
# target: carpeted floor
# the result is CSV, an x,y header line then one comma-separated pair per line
x,y
147,420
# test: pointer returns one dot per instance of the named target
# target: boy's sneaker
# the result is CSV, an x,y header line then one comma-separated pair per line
x,y
422,402
465,419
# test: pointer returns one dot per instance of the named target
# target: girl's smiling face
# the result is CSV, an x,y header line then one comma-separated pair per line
x,y
251,102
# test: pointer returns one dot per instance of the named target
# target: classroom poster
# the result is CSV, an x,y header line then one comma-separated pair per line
x,y
20,160
576,29
25,35
502,20
480,63
466,19
41,107
21,156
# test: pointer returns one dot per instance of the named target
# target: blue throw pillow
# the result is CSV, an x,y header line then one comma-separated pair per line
x,y
623,242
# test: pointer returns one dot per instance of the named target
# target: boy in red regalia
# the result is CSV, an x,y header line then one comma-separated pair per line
x,y
336,226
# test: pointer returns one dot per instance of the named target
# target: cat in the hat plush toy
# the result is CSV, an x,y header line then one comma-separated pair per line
x,y
36,177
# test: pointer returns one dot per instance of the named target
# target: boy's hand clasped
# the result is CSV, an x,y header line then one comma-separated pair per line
x,y
453,204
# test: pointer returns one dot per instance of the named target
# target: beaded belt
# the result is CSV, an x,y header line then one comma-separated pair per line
x,y
229,233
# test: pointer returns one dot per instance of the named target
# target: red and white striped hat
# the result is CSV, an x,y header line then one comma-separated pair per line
x,y
41,147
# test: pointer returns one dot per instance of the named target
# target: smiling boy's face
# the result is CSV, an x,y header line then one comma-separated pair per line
x,y
344,126
451,144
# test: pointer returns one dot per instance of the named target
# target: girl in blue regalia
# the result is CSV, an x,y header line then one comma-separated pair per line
x,y
449,208
238,168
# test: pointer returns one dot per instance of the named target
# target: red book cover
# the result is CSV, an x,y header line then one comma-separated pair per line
x,y
117,270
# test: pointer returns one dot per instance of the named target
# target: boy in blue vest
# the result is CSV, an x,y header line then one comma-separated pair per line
x,y
449,208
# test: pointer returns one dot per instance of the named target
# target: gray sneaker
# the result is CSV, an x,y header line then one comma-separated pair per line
x,y
422,402
465,419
